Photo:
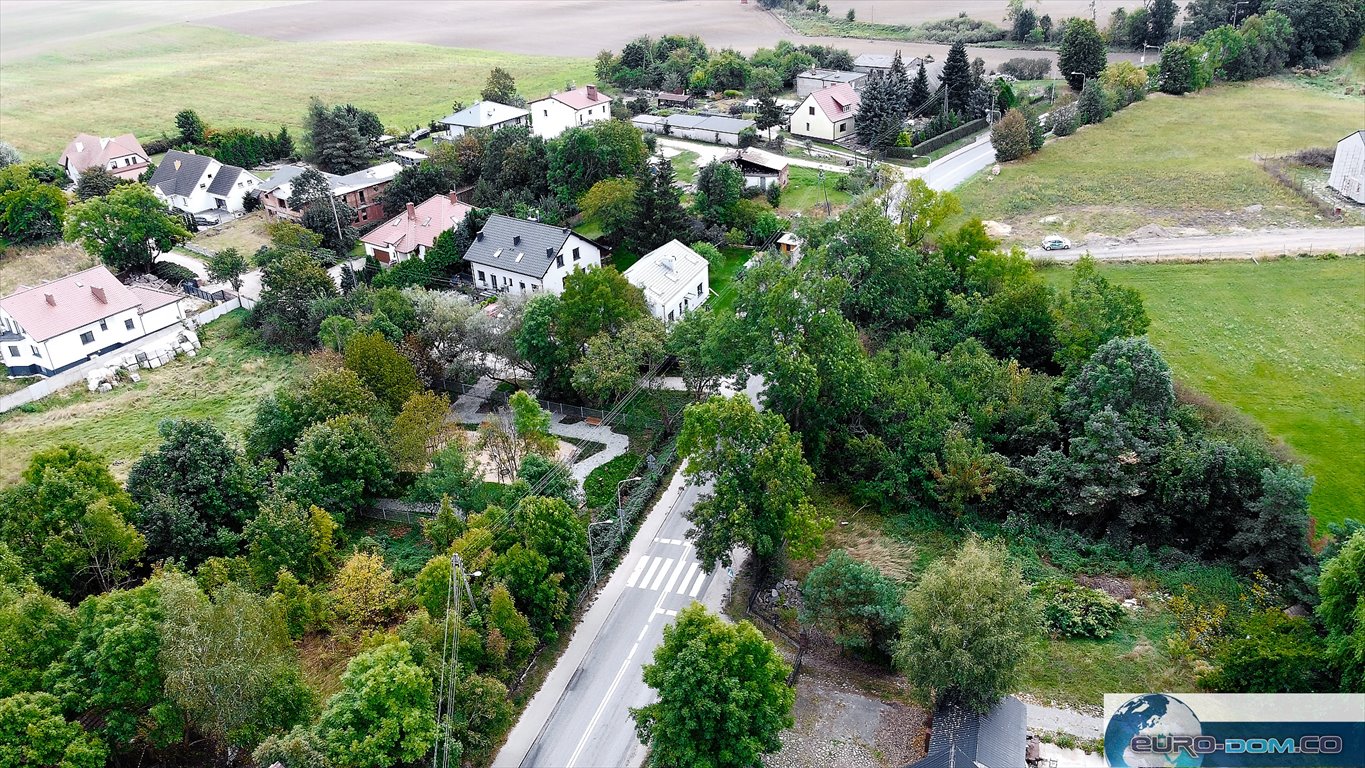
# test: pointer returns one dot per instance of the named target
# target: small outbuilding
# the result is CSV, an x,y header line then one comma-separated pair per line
x,y
714,129
665,99
760,168
1348,168
813,80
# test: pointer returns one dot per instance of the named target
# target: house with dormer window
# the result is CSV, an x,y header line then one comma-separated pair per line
x,y
518,256
197,183
826,114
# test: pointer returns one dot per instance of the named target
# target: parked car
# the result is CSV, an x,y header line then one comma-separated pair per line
x,y
1056,243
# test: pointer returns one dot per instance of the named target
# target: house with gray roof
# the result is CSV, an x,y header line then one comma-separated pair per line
x,y
714,129
814,79
960,737
674,278
518,256
481,114
198,184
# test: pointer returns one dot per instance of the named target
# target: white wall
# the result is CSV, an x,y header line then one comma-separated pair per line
x,y
68,348
162,317
505,280
684,298
550,117
589,257
1348,168
803,123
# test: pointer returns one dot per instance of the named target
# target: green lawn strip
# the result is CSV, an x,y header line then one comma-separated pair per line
x,y
723,275
223,383
1173,161
803,190
1281,341
219,73
685,165
599,488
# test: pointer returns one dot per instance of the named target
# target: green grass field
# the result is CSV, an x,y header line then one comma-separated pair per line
x,y
223,383
1173,161
685,165
1284,342
723,276
138,82
803,190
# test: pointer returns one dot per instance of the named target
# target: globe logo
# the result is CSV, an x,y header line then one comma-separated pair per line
x,y
1153,714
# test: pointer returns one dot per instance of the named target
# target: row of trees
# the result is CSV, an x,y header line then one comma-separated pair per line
x,y
676,63
1261,45
242,147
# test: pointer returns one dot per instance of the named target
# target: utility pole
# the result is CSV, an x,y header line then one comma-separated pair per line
x,y
450,661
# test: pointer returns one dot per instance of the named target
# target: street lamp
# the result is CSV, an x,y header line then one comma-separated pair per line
x,y
591,557
618,492
1142,60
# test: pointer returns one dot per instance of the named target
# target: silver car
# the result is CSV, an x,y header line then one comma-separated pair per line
x,y
1056,243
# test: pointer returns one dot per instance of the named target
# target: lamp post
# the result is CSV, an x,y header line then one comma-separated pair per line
x,y
592,557
620,513
1142,60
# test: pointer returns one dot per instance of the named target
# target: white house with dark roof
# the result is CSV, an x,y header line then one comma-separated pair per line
x,y
197,183
413,232
826,114
1348,167
60,324
813,80
122,156
559,112
675,280
518,256
481,114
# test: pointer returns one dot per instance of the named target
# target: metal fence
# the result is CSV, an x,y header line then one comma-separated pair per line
x,y
800,641
400,511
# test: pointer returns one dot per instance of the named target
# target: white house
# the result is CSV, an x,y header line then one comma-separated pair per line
x,y
481,114
826,114
414,231
122,156
54,326
812,80
715,129
674,278
198,183
517,256
559,112
1348,167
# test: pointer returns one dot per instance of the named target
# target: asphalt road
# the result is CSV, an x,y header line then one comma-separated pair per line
x,y
1241,245
951,170
580,717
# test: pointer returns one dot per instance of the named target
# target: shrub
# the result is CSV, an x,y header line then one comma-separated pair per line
x,y
1027,69
1062,121
172,272
1071,610
774,193
961,30
1010,136
600,485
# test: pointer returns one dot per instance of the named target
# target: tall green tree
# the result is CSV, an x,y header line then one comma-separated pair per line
x,y
502,88
290,286
969,623
30,210
1092,312
383,715
337,137
228,266
339,465
382,369
758,479
587,154
35,631
956,78
34,732
719,187
96,181
919,89
126,229
1159,23
191,127
416,184
658,212
881,113
1341,588
597,301
723,694
1082,54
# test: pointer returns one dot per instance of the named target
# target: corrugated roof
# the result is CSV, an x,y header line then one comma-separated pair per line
x,y
482,114
697,122
662,271
404,232
76,302
963,738
836,101
756,157
877,60
524,247
833,75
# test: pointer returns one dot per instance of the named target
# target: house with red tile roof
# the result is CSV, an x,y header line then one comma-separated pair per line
x,y
122,156
559,112
51,327
413,232
826,114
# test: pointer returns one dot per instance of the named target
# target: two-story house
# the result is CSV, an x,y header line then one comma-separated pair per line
x,y
559,112
675,280
60,324
362,191
122,156
826,114
481,114
517,256
814,79
413,232
197,183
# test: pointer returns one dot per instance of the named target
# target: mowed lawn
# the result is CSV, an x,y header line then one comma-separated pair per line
x,y
223,383
138,82
1173,161
1284,342
803,191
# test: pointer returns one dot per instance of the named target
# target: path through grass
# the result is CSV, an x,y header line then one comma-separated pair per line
x,y
138,82
223,384
1284,342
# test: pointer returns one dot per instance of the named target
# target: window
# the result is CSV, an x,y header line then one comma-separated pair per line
x,y
546,112
807,126
575,254
559,260
36,353
362,195
701,288
13,351
670,315
843,127
523,287
812,109
104,326
87,338
481,277
128,324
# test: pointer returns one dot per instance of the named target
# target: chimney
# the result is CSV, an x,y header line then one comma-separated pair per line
x,y
52,300
592,92
412,211
516,239
453,197
479,236
550,252
99,294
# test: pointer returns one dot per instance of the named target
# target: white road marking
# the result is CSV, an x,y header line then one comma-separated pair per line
x,y
654,585
643,630
682,588
672,580
650,573
635,574
696,587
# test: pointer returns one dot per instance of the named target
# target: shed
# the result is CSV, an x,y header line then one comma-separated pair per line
x,y
1348,168
760,168
678,100
814,79
960,737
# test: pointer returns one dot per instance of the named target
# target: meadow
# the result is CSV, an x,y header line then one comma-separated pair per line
x,y
1174,161
138,82
1282,341
223,383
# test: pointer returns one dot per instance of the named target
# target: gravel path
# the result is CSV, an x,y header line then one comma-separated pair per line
x,y
1044,718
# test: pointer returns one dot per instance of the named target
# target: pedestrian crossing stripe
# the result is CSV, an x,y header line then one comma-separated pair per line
x,y
665,574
